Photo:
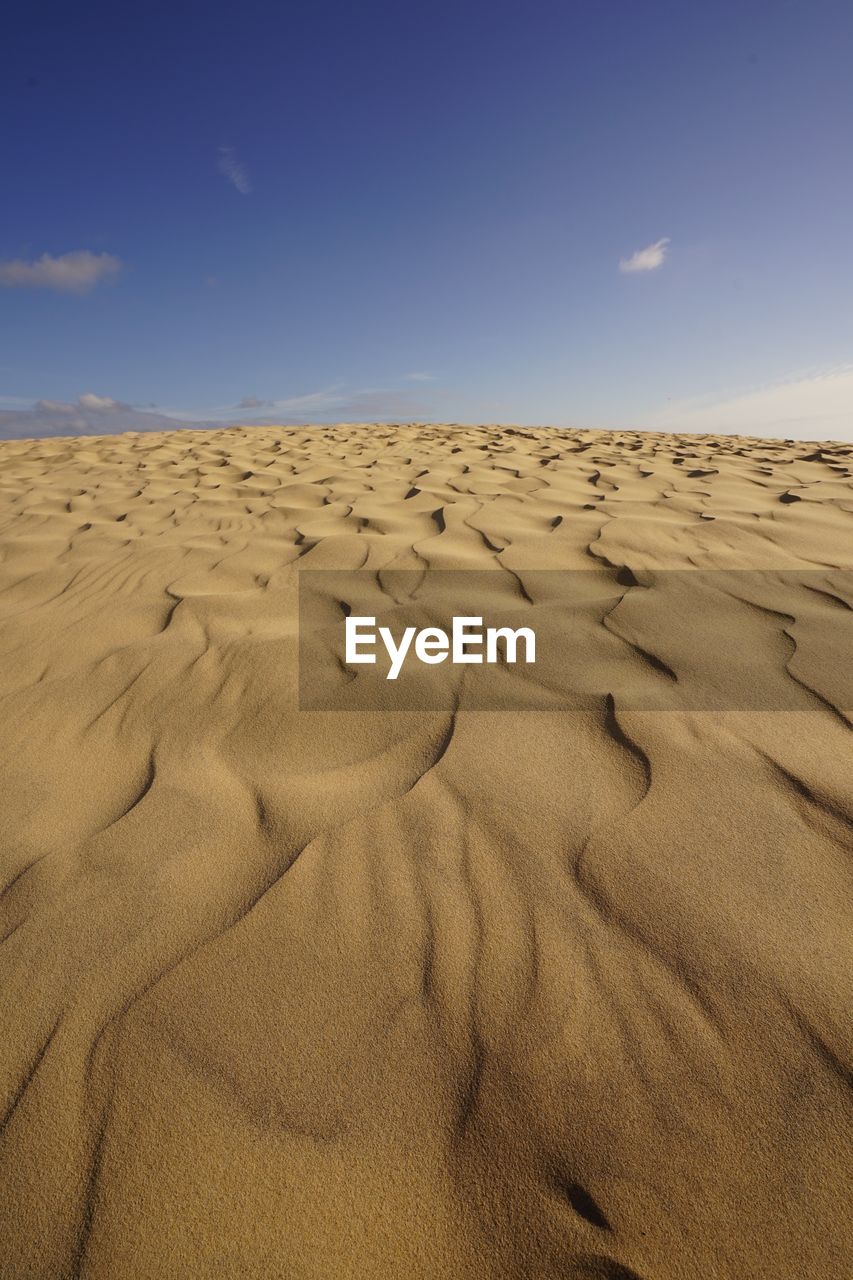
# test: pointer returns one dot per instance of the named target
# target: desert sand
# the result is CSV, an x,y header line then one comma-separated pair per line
x,y
485,995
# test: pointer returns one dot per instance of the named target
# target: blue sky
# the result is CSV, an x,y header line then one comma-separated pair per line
x,y
419,211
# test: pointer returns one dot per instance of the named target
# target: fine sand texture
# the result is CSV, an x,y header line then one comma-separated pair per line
x,y
480,995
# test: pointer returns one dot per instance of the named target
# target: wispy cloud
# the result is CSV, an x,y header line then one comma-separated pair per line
x,y
648,259
815,405
75,272
53,406
344,404
231,168
335,403
419,377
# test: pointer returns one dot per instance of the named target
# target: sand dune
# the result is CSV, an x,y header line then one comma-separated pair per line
x,y
486,994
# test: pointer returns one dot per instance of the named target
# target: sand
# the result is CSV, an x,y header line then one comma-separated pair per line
x,y
489,994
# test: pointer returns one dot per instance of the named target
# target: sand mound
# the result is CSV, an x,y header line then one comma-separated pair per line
x,y
305,994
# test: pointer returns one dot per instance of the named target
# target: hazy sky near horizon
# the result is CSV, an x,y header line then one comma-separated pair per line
x,y
603,214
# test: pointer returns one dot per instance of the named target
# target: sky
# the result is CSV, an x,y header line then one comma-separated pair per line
x,y
587,214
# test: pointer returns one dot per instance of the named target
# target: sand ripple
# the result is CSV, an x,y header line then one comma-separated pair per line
x,y
297,994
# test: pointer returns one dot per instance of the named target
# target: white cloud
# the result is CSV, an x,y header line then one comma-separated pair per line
x,y
419,377
88,402
811,406
99,403
76,272
231,168
648,259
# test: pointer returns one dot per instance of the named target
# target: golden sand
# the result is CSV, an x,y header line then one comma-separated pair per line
x,y
304,995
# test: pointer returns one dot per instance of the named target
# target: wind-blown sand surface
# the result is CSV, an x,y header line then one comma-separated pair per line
x,y
309,995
